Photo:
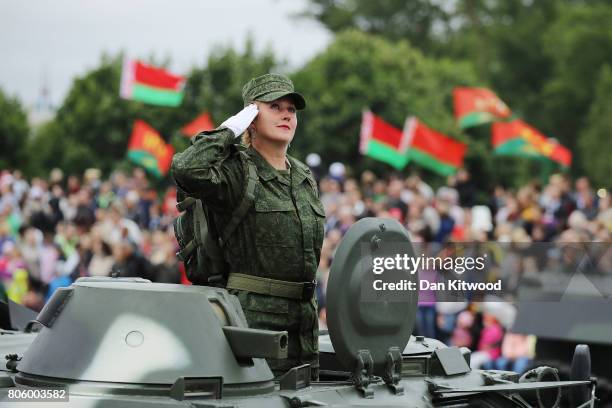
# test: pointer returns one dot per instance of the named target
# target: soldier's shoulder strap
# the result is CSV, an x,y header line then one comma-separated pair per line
x,y
302,167
248,198
306,172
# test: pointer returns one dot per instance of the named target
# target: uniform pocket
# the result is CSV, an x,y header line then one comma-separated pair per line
x,y
317,207
268,312
276,223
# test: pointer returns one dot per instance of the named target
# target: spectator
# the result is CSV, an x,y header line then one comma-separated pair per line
x,y
517,352
129,262
426,311
489,344
466,188
102,260
463,335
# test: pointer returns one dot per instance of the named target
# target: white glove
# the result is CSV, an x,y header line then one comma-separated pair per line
x,y
241,121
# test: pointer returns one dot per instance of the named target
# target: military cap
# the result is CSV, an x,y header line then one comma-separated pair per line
x,y
269,87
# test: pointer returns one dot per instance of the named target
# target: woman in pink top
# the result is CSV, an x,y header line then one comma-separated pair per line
x,y
489,345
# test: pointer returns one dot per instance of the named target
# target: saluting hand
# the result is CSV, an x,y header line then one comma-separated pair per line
x,y
241,121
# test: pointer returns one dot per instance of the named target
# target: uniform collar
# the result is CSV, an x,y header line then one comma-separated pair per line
x,y
266,172
300,171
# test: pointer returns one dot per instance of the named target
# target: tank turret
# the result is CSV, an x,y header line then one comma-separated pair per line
x,y
134,332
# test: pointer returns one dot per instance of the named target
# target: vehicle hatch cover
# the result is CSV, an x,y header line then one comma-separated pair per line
x,y
359,317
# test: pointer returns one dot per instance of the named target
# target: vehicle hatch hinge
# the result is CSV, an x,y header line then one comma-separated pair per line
x,y
362,373
393,370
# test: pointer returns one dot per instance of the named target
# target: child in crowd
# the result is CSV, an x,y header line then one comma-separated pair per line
x,y
489,345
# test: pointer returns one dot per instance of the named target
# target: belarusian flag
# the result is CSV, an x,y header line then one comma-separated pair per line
x,y
432,149
476,106
382,141
517,138
199,124
149,150
145,83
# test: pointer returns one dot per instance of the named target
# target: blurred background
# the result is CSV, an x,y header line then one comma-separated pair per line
x,y
74,203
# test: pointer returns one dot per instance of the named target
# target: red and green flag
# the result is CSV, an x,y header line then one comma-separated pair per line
x,y
149,150
477,106
149,84
382,141
433,150
199,124
517,138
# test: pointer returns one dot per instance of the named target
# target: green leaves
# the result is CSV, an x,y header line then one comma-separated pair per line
x,y
392,78
93,125
544,58
14,132
415,20
594,141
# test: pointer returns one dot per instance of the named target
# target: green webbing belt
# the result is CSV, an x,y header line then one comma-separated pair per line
x,y
267,286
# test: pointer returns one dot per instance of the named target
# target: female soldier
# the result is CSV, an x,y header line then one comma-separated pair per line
x,y
274,252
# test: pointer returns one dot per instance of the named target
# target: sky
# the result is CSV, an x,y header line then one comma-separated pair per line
x,y
49,43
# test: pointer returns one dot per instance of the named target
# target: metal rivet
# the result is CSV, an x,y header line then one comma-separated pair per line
x,y
134,338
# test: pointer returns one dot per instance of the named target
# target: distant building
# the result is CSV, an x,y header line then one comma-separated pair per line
x,y
43,110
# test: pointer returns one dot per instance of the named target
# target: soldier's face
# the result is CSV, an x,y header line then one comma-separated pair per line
x,y
276,121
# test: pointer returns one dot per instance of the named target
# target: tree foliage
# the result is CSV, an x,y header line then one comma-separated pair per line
x,y
594,141
14,132
414,20
360,71
580,45
216,87
545,58
542,57
93,125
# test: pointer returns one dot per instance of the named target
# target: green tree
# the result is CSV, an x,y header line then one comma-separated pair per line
x,y
594,141
360,71
415,21
580,44
14,131
541,56
217,87
93,125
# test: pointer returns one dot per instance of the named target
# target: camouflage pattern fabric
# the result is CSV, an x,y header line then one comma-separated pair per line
x,y
280,237
270,87
299,318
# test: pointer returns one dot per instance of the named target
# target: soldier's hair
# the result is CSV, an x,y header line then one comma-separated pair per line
x,y
247,137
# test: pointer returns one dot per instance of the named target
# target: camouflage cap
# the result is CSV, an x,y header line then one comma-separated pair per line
x,y
269,87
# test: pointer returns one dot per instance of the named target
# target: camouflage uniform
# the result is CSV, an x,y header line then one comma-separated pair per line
x,y
280,237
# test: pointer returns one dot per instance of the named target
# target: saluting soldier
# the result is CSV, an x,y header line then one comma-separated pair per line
x,y
274,251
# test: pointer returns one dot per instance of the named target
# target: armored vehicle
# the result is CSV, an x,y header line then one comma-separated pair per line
x,y
127,342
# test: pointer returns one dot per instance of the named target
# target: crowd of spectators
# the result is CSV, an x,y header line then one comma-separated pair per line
x,y
56,229
457,213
